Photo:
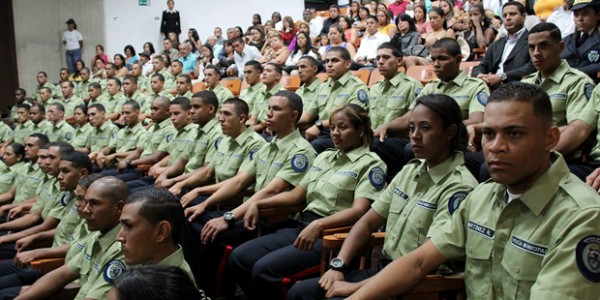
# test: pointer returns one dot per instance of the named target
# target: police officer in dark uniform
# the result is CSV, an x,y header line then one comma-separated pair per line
x,y
582,48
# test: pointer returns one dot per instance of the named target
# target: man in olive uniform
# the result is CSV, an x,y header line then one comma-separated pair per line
x,y
96,95
6,136
157,83
69,100
531,233
42,79
158,67
131,90
184,86
142,80
46,97
270,77
114,100
276,167
20,95
81,90
127,139
252,71
341,88
211,78
37,115
101,259
307,71
60,130
104,131
24,125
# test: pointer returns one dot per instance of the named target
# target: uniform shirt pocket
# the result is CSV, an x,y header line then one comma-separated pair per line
x,y
479,248
522,260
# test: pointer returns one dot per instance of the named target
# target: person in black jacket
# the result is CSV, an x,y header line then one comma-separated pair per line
x,y
497,68
170,20
582,48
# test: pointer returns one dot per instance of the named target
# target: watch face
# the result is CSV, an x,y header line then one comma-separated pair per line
x,y
337,262
228,216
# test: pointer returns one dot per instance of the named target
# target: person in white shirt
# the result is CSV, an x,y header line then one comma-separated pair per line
x,y
370,42
316,25
241,55
73,41
563,18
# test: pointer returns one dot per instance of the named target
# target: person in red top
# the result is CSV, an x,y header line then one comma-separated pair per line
x,y
398,7
288,33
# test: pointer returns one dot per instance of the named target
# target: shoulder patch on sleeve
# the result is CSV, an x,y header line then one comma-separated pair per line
x,y
299,162
114,134
455,200
588,89
170,137
64,199
218,141
113,269
251,154
377,177
68,136
362,96
587,255
418,91
482,98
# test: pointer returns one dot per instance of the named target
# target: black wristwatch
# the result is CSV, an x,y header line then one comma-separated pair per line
x,y
319,125
338,264
229,218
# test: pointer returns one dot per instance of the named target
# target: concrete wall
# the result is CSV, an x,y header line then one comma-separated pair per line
x,y
39,26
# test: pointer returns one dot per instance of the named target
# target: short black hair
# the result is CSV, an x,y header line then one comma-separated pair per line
x,y
153,282
208,97
254,64
294,101
525,92
395,51
133,104
64,148
42,139
99,107
183,102
79,160
240,106
450,45
549,27
159,76
58,106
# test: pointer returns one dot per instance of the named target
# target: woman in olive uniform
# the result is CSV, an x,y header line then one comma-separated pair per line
x,y
337,190
13,162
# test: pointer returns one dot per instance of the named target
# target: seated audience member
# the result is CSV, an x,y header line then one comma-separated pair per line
x,y
206,59
435,118
7,134
24,125
420,17
13,163
70,100
478,31
169,50
183,86
338,39
157,85
131,90
287,157
37,115
60,131
83,129
212,78
308,68
341,88
303,48
252,72
420,55
289,30
187,58
143,82
63,76
581,49
120,65
104,131
160,66
145,62
42,79
528,180
370,42
407,35
270,77
497,67
81,90
334,17
101,260
20,96
277,54
260,265
384,24
114,100
155,282
96,96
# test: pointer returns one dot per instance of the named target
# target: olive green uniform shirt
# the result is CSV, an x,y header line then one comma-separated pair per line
x,y
205,149
63,233
101,136
70,104
231,152
8,175
6,133
36,91
137,97
157,135
27,182
145,104
187,94
49,200
250,93
22,131
176,259
335,179
309,93
261,102
333,94
81,136
391,99
61,132
98,264
569,90
128,138
288,158
114,103
42,127
590,115
222,93
544,244
419,201
81,90
181,144
471,94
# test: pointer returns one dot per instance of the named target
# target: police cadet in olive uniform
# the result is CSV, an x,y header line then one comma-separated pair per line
x,y
114,99
83,129
101,260
128,138
569,89
13,161
183,86
142,81
96,96
81,90
252,71
60,131
238,143
582,47
531,233
270,77
42,79
158,64
6,134
37,115
157,82
390,100
307,71
211,78
20,96
341,88
277,166
420,199
104,131
15,273
178,143
158,136
24,125
69,100
131,90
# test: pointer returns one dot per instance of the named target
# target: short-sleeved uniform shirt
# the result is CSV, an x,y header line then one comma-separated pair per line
x,y
335,179
569,90
22,131
98,264
27,182
470,93
101,136
82,135
145,104
250,93
309,93
419,201
176,259
390,99
6,133
231,152
61,132
205,147
128,138
332,94
544,244
81,90
157,135
137,97
590,115
181,144
42,127
63,233
70,104
261,102
36,91
49,200
222,93
9,174
114,103
288,158
187,94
